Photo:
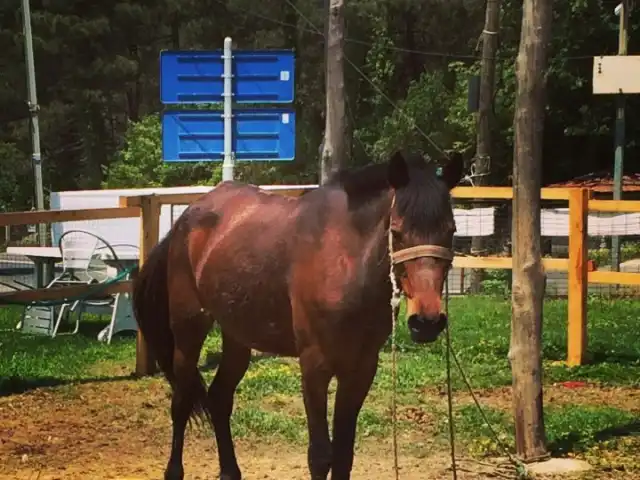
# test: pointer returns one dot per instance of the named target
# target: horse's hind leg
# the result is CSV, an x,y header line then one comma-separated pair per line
x,y
188,390
233,365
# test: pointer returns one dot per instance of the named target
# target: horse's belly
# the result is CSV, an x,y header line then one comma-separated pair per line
x,y
256,315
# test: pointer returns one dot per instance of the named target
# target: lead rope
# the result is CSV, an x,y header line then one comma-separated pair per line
x,y
395,304
452,439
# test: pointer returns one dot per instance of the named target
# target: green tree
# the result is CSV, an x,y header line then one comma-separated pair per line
x,y
97,75
16,175
139,163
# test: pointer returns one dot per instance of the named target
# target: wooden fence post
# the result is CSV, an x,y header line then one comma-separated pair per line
x,y
578,282
150,207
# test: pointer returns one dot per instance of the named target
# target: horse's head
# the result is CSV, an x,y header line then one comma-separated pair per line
x,y
421,238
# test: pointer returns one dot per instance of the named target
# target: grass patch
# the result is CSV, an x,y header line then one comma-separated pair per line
x,y
270,376
277,417
269,401
29,361
480,329
252,421
570,429
576,428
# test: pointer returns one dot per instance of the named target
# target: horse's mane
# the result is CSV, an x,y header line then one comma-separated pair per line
x,y
424,203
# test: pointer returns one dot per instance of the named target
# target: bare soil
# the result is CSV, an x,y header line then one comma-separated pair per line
x,y
121,430
558,394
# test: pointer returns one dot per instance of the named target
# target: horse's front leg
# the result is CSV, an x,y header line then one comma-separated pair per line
x,y
233,365
353,386
315,386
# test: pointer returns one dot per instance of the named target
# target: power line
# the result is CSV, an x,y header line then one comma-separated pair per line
x,y
347,39
394,48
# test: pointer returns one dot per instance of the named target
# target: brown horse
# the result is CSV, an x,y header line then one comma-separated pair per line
x,y
305,277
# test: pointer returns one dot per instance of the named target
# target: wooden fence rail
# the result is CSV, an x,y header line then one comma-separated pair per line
x,y
580,271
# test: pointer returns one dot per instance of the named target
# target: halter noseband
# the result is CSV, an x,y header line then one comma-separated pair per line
x,y
420,251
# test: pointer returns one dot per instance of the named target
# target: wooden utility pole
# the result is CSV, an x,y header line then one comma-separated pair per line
x,y
618,168
525,352
485,117
334,143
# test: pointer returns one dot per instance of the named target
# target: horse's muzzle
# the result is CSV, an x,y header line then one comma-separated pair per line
x,y
426,329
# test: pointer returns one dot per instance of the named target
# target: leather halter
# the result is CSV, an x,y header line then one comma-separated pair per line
x,y
419,251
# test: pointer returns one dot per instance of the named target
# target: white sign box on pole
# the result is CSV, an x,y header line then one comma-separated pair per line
x,y
616,74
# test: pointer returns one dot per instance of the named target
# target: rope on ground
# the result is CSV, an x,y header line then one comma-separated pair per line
x,y
91,290
500,470
519,466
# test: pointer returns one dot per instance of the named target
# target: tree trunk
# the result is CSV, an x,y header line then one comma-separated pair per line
x,y
334,143
485,119
134,92
528,274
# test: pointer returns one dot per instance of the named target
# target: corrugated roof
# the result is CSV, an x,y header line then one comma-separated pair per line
x,y
602,182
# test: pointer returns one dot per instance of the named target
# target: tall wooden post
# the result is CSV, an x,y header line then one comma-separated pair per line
x,y
485,117
577,277
149,236
525,353
334,143
618,166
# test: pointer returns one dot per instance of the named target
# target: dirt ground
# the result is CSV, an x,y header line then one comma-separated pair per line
x,y
118,430
121,430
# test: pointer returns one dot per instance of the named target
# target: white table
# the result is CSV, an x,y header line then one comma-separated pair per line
x,y
122,317
41,257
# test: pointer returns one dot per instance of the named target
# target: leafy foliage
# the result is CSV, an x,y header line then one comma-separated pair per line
x,y
140,164
15,171
97,79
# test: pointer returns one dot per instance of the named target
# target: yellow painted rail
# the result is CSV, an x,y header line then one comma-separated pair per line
x,y
580,271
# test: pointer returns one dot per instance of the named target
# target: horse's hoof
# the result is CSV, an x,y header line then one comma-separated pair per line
x,y
226,476
174,472
231,475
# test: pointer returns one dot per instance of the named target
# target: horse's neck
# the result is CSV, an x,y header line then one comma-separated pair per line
x,y
374,224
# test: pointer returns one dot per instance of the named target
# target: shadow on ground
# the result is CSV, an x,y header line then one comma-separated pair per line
x,y
574,441
14,385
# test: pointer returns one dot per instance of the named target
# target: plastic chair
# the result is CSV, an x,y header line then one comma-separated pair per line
x,y
80,266
77,248
120,308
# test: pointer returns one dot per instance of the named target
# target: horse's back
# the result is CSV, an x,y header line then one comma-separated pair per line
x,y
235,212
239,241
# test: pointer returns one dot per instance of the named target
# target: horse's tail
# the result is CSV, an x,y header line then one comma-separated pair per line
x,y
151,306
151,309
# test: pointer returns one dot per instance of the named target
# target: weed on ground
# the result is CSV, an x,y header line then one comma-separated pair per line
x,y
591,411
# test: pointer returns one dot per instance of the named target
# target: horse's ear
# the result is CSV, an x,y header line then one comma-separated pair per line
x,y
398,173
452,171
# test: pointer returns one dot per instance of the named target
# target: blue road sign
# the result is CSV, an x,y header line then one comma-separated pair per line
x,y
198,135
259,76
